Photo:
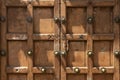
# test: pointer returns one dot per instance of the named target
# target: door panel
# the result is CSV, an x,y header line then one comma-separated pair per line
x,y
90,38
29,38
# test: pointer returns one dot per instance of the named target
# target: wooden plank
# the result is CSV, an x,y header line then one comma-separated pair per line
x,y
103,36
30,43
44,36
103,3
63,40
11,36
37,70
43,3
16,70
89,43
98,70
57,63
116,43
76,36
70,70
3,42
76,3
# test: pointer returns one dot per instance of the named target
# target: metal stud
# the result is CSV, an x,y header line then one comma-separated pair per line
x,y
117,19
2,53
116,53
30,52
90,20
76,70
90,53
2,18
56,52
29,19
56,19
43,69
103,70
63,20
63,53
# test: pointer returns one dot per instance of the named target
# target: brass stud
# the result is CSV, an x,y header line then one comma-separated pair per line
x,y
90,53
117,53
2,53
43,69
76,70
56,52
2,19
29,19
103,70
117,19
63,20
30,52
56,19
90,20
63,53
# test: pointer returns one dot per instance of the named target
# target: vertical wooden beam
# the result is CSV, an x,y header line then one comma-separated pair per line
x,y
3,41
30,42
63,39
116,42
89,42
57,39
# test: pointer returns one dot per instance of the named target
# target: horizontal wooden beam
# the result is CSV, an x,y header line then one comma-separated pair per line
x,y
76,36
16,36
98,70
47,70
103,36
17,69
44,37
82,70
43,3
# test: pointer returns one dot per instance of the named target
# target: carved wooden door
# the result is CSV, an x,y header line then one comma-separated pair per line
x,y
59,39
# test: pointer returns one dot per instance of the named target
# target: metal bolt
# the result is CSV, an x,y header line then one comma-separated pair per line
x,y
76,70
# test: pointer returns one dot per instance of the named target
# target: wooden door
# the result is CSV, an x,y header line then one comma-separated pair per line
x,y
90,39
29,38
